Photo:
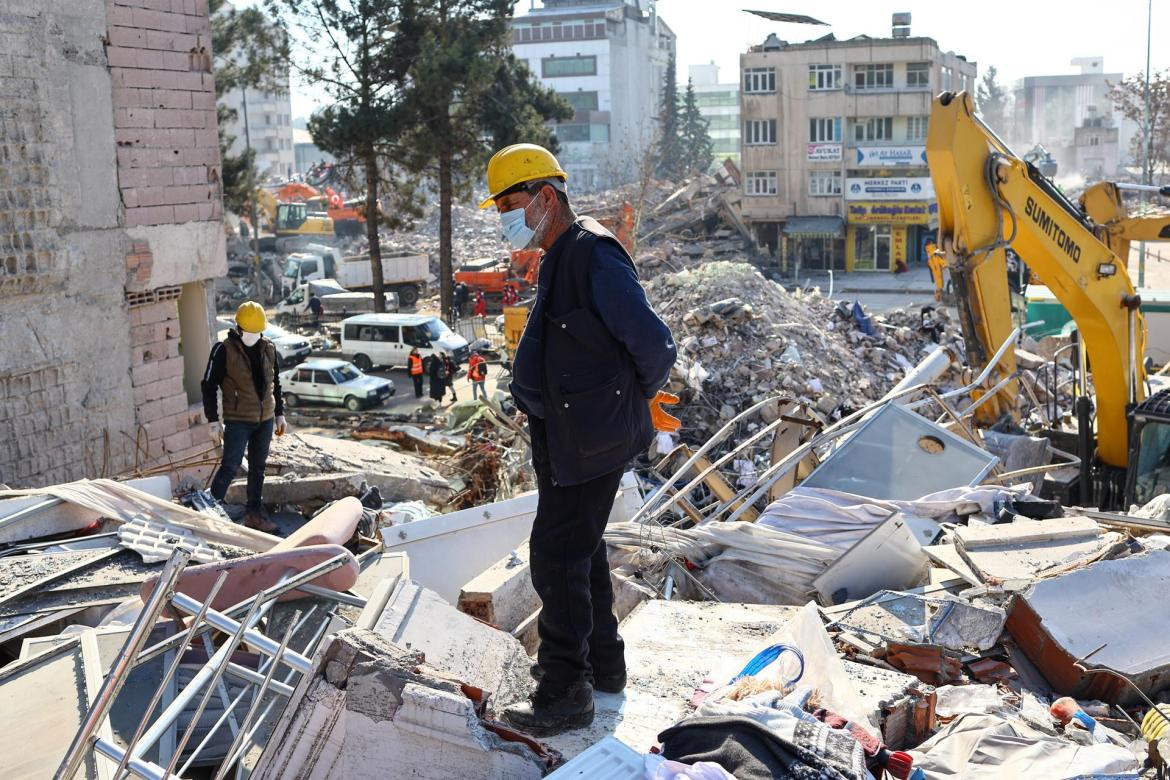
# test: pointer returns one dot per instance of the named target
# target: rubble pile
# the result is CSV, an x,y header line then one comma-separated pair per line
x,y
945,621
742,338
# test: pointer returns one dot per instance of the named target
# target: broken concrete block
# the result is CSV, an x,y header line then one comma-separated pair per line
x,y
503,594
1026,549
906,704
372,709
456,644
294,488
1111,614
399,477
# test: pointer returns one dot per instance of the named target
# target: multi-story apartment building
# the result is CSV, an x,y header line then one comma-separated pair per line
x,y
608,58
719,105
833,147
269,128
1071,115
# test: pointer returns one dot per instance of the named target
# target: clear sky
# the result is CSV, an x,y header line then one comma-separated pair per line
x,y
1020,37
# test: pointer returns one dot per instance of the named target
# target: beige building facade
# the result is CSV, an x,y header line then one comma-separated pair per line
x,y
833,148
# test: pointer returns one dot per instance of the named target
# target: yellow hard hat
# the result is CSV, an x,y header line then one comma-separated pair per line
x,y
518,163
250,317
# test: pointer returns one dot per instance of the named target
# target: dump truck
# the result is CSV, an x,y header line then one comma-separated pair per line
x,y
404,273
337,302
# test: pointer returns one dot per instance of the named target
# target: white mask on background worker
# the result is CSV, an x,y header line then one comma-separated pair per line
x,y
515,223
249,339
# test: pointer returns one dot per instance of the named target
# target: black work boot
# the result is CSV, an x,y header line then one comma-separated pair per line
x,y
551,712
605,682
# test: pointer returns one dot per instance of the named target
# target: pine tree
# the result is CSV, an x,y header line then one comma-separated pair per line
x,y
669,162
353,48
249,53
697,148
992,100
469,96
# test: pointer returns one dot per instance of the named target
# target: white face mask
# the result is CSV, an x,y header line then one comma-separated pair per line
x,y
249,339
516,229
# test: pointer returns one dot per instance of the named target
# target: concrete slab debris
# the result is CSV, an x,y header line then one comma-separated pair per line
x,y
456,644
295,488
671,646
1108,614
399,477
1027,549
369,707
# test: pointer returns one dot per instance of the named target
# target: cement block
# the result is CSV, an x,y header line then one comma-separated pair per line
x,y
503,594
458,645
296,489
372,709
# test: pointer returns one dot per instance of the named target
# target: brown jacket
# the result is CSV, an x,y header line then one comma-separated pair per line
x,y
229,370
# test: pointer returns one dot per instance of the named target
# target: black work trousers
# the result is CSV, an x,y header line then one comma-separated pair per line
x,y
570,573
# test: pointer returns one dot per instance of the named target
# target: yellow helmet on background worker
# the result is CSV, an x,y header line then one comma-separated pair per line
x,y
519,163
251,318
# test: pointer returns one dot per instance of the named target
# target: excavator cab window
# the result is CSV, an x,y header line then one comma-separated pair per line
x,y
1152,464
290,216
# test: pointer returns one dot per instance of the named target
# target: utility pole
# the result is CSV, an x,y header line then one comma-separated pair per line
x,y
1147,128
252,193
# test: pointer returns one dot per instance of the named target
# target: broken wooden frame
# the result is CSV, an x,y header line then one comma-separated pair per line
x,y
163,596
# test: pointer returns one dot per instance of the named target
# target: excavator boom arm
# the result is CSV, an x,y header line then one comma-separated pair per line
x,y
987,198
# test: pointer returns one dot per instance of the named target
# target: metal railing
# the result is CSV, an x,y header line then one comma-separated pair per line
x,y
239,624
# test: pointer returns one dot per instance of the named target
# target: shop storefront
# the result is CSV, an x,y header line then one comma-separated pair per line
x,y
887,235
813,244
889,199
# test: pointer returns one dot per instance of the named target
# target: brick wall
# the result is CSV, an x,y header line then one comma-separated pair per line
x,y
159,54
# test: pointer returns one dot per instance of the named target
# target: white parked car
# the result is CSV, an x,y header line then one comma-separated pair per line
x,y
328,381
291,349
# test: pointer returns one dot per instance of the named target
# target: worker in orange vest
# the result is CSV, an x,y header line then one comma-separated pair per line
x,y
416,371
480,304
477,373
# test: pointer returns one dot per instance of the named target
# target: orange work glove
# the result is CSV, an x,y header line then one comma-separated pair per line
x,y
664,421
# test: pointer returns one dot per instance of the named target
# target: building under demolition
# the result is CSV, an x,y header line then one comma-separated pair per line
x,y
110,233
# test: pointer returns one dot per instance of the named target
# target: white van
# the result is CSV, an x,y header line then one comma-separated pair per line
x,y
386,339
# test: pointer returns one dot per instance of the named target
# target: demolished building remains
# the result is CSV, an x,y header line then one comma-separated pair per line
x,y
830,571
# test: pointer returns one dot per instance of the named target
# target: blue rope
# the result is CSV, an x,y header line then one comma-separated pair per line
x,y
766,656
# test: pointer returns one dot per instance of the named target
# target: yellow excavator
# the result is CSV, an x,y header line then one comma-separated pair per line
x,y
292,223
990,199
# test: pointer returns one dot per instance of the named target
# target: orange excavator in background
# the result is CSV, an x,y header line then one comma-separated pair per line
x,y
489,275
525,264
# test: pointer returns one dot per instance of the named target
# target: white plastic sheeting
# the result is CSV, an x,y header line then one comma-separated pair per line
x,y
775,559
992,747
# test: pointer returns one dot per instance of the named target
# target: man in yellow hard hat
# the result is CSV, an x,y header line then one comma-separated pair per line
x,y
243,369
587,373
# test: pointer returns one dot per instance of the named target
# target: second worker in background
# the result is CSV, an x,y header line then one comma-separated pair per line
x,y
587,373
